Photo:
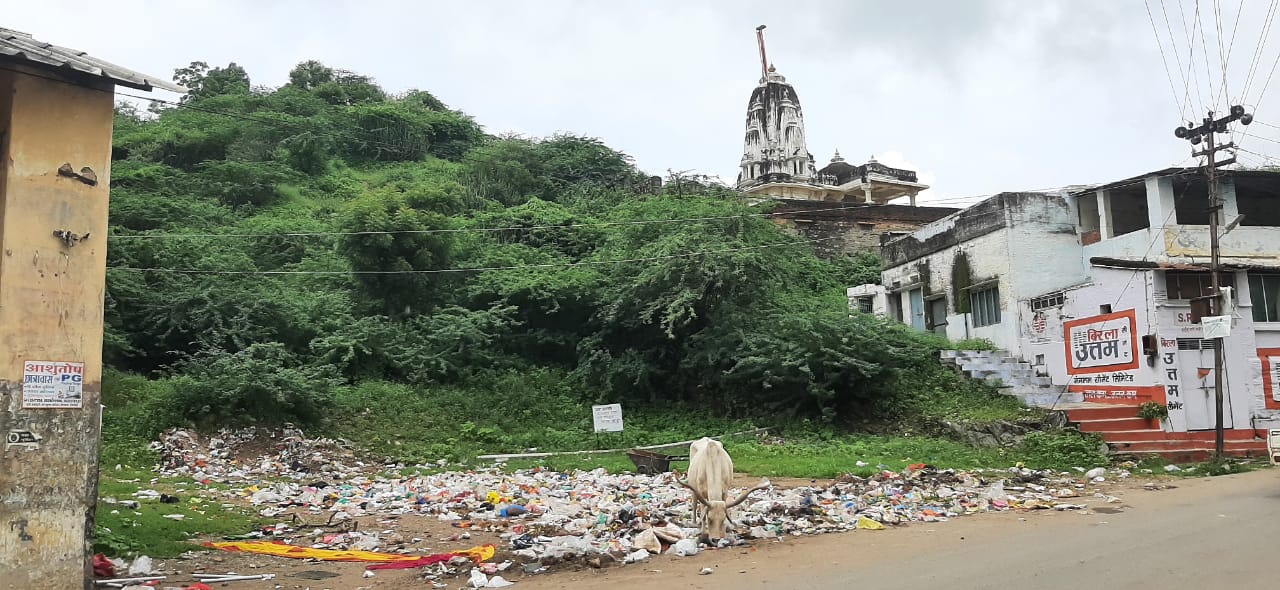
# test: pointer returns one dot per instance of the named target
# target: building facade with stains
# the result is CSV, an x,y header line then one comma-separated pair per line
x,y
1094,290
56,112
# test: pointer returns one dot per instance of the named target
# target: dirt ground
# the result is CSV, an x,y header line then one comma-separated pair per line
x,y
760,560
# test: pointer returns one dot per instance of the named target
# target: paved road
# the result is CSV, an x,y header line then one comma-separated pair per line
x,y
1207,533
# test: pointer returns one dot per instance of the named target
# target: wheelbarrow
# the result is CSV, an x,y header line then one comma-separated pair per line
x,y
649,462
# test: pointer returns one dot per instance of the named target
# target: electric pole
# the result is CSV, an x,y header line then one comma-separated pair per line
x,y
1205,132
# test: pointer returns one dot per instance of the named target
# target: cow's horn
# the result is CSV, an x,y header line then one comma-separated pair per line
x,y
696,494
743,497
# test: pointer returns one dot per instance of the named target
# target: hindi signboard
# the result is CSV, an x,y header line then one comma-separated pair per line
x,y
1103,343
1132,395
52,384
607,418
1270,358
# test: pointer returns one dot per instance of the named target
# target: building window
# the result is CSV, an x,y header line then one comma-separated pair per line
x,y
1256,199
865,304
1184,286
985,305
1264,290
1127,210
1047,301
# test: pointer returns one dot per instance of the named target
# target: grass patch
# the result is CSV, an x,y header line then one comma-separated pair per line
x,y
1209,468
122,531
829,458
513,413
944,395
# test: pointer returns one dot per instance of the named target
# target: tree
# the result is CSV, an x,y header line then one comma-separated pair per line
x,y
202,82
310,74
396,267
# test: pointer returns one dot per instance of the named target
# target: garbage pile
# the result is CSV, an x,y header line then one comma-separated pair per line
x,y
254,452
545,517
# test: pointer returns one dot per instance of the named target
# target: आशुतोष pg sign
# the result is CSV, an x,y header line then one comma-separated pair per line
x,y
1102,343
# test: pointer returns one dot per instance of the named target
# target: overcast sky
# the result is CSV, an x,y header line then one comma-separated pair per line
x,y
979,96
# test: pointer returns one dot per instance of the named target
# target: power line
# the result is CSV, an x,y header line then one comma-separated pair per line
x,y
466,270
277,122
1164,60
487,229
1258,51
1222,53
1173,44
1268,82
1193,76
1205,45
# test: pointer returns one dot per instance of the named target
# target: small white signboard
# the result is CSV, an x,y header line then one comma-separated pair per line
x,y
607,418
52,384
1218,326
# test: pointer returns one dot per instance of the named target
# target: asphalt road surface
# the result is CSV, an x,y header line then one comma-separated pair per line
x,y
1207,533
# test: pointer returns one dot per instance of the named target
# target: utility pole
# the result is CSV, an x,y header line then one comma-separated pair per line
x,y
1205,132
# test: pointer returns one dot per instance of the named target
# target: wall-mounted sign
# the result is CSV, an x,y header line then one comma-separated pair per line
x,y
52,384
1270,376
1102,343
22,438
607,418
1216,326
1132,395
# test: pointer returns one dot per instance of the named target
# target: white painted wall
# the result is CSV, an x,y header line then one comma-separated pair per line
x,y
1040,253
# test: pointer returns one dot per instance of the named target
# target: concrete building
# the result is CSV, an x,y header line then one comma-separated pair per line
x,y
56,112
1069,284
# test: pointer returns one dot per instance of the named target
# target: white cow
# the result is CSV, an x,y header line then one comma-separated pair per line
x,y
709,477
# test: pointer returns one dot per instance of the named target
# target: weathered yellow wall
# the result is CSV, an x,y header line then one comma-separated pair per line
x,y
51,299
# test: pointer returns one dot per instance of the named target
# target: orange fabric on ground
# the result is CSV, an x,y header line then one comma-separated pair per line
x,y
280,549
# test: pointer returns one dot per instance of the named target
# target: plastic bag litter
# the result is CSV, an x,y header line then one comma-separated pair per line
x,y
647,541
1095,473
140,566
996,492
867,524
686,547
560,547
637,555
669,534
1172,468
479,580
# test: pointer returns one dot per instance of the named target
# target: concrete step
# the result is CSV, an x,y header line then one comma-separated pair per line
x,y
1101,412
996,364
1139,446
1119,425
1130,436
1046,398
1005,374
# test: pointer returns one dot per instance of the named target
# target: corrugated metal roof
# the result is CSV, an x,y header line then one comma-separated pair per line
x,y
19,46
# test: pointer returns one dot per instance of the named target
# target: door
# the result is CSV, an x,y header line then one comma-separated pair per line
x,y
938,315
917,309
1195,379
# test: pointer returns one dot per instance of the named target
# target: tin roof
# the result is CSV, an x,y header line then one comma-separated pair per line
x,y
16,46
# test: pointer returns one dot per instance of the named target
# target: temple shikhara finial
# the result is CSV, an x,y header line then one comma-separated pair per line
x,y
777,164
764,61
